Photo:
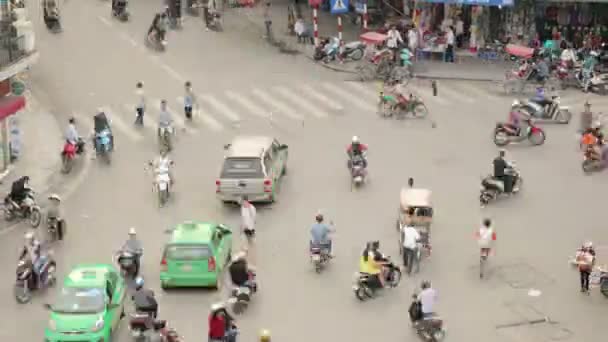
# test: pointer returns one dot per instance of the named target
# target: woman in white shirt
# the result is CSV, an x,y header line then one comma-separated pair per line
x,y
486,237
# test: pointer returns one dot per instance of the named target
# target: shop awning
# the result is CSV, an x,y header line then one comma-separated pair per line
x,y
10,105
474,2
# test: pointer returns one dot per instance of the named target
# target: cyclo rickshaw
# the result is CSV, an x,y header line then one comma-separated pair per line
x,y
420,201
517,79
379,61
103,139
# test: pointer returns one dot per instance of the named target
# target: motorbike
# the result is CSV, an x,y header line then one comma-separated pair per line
x,y
595,82
69,153
215,20
153,40
27,210
162,187
492,188
141,323
604,283
127,263
431,328
365,286
121,12
358,172
591,164
103,145
26,281
52,19
55,228
504,136
164,136
327,50
240,296
553,113
319,256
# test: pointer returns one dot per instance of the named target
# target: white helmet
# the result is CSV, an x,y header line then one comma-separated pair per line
x,y
55,197
132,231
239,256
355,139
29,236
515,103
218,306
588,244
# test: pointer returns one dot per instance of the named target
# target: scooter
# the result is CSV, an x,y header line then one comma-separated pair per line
x,y
431,328
554,113
365,287
327,50
141,323
26,279
504,136
353,51
319,256
103,145
492,188
590,164
127,263
240,296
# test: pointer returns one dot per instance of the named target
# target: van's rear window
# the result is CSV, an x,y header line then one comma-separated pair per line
x,y
242,168
187,252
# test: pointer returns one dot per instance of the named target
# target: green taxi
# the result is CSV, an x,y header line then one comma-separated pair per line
x,y
89,306
195,255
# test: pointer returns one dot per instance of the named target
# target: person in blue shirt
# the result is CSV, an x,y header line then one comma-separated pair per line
x,y
189,100
320,234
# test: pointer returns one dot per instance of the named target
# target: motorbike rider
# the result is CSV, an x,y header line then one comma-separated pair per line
x,y
162,164
144,299
242,273
221,324
72,136
19,190
356,148
500,166
587,70
514,120
32,251
134,246
427,298
485,237
53,213
160,25
541,98
372,262
320,235
248,215
542,70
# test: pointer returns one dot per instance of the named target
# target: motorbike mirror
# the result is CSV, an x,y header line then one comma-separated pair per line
x,y
47,306
227,146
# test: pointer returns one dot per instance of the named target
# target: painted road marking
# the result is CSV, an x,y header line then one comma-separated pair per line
x,y
208,120
105,21
178,121
244,102
321,97
298,100
221,108
455,95
348,97
281,107
116,121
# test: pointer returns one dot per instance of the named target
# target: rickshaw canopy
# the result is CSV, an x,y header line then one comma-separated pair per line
x,y
373,38
100,122
415,198
519,51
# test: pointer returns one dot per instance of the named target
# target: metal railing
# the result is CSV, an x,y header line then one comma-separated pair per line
x,y
11,49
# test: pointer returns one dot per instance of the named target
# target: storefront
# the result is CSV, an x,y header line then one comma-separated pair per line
x,y
9,105
574,21
475,21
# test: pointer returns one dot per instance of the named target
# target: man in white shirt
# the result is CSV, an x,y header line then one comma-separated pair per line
x,y
410,247
412,40
427,298
393,40
248,213
450,38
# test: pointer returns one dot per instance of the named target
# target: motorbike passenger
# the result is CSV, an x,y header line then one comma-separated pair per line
x,y
162,164
53,214
356,148
72,137
19,190
32,251
410,238
135,247
427,298
320,235
248,215
485,237
242,274
144,299
371,263
165,120
221,324
500,166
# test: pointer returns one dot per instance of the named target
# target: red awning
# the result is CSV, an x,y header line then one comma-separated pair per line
x,y
373,38
10,105
519,51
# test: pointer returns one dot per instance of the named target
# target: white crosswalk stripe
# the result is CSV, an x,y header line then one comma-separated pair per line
x,y
302,103
280,107
126,128
197,112
455,95
366,91
222,108
348,97
178,120
308,89
427,96
149,118
244,102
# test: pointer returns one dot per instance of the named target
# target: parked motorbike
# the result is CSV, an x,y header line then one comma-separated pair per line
x,y
492,188
240,296
27,281
554,112
430,328
504,136
27,210
120,12
103,145
353,51
142,324
365,286
319,257
127,263
327,50
69,154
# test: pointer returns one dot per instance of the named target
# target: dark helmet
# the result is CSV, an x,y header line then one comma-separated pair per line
x,y
319,217
425,284
188,84
139,84
410,182
487,222
72,120
375,245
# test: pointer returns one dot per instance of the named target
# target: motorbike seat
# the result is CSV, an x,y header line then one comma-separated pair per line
x,y
352,45
493,182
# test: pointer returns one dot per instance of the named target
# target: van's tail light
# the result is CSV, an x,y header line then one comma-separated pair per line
x,y
211,264
217,186
163,265
267,185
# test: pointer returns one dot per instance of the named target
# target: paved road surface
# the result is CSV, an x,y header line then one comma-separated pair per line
x,y
538,229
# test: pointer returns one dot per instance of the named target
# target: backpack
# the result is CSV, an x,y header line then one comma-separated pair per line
x,y
415,311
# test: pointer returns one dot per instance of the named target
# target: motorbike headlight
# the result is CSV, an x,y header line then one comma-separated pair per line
x,y
98,325
52,325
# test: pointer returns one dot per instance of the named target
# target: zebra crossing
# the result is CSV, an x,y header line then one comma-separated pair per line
x,y
224,109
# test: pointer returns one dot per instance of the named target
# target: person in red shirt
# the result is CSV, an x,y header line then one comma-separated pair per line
x,y
356,148
221,324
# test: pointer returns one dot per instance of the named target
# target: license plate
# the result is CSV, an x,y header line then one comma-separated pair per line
x,y
187,268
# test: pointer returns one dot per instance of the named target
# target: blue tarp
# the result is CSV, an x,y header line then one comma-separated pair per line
x,y
474,2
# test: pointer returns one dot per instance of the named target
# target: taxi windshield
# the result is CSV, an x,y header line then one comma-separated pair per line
x,y
74,300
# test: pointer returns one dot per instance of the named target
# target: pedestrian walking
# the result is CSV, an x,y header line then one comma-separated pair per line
x,y
393,41
450,39
140,108
189,100
268,22
585,259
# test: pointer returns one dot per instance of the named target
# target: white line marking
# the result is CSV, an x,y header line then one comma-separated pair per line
x,y
128,39
222,108
349,97
172,72
479,93
105,21
247,104
427,95
117,121
280,107
455,95
322,98
208,120
363,90
177,119
298,100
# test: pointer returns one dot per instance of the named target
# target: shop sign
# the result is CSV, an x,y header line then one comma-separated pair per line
x,y
338,6
314,3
